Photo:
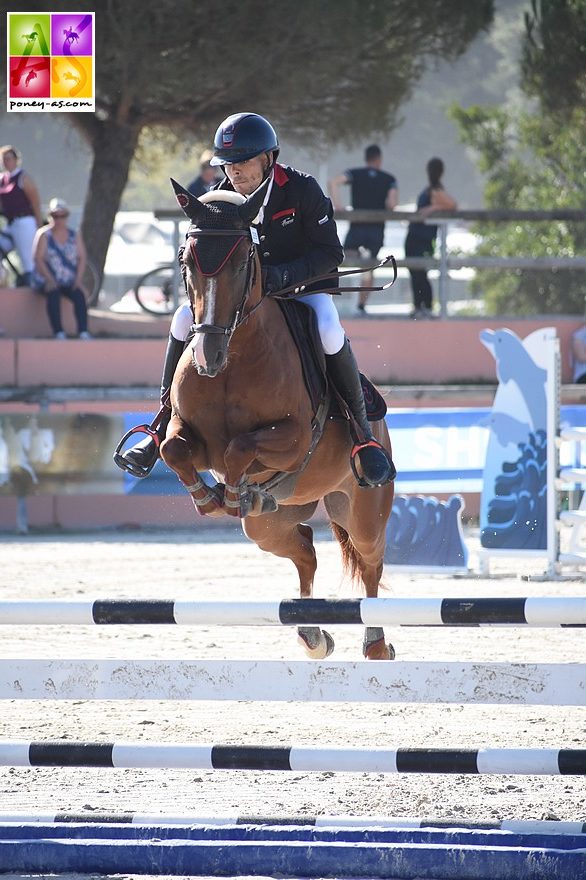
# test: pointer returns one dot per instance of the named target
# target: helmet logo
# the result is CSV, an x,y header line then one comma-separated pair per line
x,y
182,199
228,136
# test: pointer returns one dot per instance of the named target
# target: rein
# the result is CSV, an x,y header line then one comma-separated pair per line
x,y
295,290
291,292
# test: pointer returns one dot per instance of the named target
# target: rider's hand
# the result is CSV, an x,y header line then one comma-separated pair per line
x,y
275,278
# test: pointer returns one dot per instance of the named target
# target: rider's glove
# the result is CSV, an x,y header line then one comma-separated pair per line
x,y
275,278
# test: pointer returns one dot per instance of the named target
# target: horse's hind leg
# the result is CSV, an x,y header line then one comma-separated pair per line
x,y
285,535
359,524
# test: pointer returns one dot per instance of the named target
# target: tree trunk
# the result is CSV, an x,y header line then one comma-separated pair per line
x,y
113,146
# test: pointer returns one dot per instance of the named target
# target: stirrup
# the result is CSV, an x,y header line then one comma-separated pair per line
x,y
362,481
128,466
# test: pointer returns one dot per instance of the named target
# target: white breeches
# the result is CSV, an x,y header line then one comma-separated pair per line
x,y
330,330
19,236
182,321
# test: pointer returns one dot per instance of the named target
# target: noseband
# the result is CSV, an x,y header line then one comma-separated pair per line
x,y
239,316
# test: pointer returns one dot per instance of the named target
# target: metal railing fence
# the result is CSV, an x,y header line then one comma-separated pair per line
x,y
445,262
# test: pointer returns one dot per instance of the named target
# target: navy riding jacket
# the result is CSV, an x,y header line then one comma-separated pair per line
x,y
298,230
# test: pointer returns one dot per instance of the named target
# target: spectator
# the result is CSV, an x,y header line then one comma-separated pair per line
x,y
207,177
371,190
420,241
60,260
579,355
21,206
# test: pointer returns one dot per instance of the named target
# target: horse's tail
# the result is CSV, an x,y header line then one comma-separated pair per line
x,y
350,557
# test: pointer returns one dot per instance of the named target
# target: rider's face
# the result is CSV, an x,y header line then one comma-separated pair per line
x,y
247,176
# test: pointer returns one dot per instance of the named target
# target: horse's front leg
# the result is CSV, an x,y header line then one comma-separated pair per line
x,y
280,446
184,453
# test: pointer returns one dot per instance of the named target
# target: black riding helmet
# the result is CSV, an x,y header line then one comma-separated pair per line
x,y
243,136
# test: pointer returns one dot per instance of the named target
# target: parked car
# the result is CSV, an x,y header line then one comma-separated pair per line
x,y
139,243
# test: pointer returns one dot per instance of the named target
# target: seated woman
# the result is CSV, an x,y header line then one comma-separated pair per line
x,y
60,259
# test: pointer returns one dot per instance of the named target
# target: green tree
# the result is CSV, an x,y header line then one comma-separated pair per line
x,y
553,61
535,160
327,70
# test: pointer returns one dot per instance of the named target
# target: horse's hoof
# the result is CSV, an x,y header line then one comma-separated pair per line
x,y
330,644
380,651
322,648
269,504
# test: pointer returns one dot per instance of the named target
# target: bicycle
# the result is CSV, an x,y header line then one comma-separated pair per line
x,y
89,284
154,291
11,276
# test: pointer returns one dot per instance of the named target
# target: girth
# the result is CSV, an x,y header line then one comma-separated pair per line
x,y
302,323
282,484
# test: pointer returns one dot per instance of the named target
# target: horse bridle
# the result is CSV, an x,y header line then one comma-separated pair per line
x,y
240,315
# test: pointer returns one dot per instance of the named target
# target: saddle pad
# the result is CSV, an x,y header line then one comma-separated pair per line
x,y
302,323
376,407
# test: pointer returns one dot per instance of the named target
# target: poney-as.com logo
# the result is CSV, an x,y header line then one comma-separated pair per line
x,y
50,62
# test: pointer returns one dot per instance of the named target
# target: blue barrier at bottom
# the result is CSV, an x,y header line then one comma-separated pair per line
x,y
299,859
452,836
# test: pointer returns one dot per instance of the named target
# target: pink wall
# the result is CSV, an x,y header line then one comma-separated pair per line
x,y
127,512
99,362
74,512
444,352
23,315
7,362
391,351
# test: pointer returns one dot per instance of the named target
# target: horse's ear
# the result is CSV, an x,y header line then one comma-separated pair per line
x,y
252,206
189,204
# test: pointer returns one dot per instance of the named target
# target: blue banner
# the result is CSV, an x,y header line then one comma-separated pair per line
x,y
436,450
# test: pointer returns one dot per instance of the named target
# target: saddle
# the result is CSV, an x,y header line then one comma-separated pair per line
x,y
302,323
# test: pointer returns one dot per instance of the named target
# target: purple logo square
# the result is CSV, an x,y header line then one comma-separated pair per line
x,y
71,34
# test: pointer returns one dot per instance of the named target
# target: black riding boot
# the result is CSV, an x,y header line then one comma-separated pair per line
x,y
375,463
141,458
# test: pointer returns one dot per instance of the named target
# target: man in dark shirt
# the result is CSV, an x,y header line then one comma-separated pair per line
x,y
207,177
371,189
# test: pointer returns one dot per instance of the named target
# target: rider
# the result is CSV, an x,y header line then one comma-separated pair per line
x,y
298,241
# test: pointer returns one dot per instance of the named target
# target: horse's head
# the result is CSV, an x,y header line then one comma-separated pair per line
x,y
220,268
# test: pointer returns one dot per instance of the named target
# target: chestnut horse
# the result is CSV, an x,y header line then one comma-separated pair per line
x,y
240,410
